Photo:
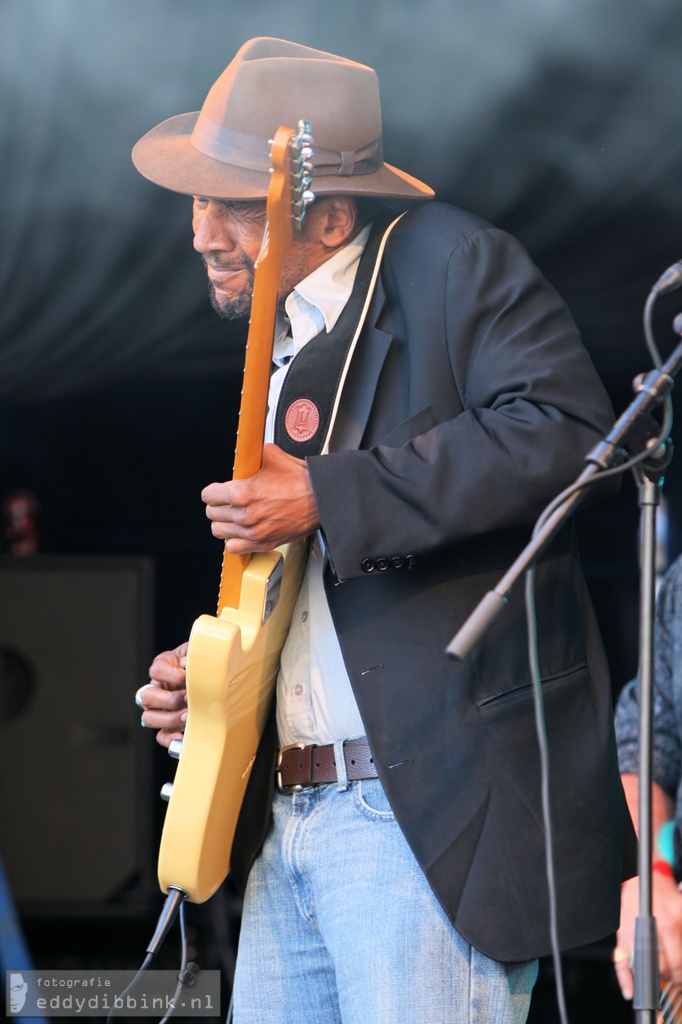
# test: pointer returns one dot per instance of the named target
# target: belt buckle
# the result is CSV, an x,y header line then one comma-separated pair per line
x,y
282,786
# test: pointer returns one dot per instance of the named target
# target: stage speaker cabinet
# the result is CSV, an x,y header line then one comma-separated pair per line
x,y
75,766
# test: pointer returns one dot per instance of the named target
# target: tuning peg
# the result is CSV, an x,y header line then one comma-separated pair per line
x,y
166,791
308,197
304,132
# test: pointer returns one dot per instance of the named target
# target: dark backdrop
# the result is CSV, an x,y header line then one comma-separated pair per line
x,y
118,386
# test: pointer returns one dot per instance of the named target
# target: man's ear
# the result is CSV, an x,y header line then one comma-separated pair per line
x,y
335,220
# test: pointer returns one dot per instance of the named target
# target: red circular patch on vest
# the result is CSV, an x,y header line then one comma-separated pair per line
x,y
301,420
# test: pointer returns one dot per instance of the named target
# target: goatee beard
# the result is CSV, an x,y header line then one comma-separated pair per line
x,y
232,307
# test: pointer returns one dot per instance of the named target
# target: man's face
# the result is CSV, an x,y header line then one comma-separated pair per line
x,y
228,235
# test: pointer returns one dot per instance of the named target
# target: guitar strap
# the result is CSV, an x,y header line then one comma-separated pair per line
x,y
312,388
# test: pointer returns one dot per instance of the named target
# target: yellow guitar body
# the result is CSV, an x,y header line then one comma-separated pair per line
x,y
232,666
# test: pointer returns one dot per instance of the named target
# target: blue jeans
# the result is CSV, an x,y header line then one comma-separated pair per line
x,y
341,927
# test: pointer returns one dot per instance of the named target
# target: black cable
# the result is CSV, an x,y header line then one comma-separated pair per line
x,y
648,328
182,976
543,747
174,902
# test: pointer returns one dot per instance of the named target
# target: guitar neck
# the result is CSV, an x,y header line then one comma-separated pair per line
x,y
254,398
251,428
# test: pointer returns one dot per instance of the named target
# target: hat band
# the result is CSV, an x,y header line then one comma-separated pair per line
x,y
252,152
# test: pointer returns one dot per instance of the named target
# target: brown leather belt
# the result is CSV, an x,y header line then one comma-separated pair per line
x,y
300,765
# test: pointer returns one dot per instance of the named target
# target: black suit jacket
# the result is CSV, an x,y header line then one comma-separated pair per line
x,y
469,405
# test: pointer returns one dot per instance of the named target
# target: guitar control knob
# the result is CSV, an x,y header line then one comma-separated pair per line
x,y
175,748
166,791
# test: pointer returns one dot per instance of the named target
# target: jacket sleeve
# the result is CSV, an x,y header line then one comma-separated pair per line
x,y
530,408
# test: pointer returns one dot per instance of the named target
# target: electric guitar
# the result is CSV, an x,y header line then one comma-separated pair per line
x,y
233,657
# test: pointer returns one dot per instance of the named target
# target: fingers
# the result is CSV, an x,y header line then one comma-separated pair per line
x,y
667,910
231,519
623,963
162,709
157,703
165,737
163,700
273,507
670,937
169,668
623,966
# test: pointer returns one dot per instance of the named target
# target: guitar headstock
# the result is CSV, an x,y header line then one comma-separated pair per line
x,y
300,154
290,177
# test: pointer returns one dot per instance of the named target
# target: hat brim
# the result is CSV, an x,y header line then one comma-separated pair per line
x,y
166,156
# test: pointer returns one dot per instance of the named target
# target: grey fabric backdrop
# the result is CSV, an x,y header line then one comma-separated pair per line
x,y
556,119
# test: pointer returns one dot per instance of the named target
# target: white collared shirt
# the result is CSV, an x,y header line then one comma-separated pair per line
x,y
315,701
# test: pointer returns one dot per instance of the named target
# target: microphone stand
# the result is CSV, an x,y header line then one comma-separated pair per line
x,y
632,433
650,475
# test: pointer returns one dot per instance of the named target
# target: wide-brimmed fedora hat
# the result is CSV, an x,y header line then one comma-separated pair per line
x,y
223,150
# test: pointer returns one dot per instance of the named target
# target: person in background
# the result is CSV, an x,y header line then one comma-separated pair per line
x,y
666,789
19,523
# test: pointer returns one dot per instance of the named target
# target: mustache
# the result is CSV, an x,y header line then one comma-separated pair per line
x,y
242,262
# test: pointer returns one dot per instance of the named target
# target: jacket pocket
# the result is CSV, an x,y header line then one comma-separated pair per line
x,y
413,426
509,699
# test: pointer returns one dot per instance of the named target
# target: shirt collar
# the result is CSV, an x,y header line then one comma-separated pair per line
x,y
317,301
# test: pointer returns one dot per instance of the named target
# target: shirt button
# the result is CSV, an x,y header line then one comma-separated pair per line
x,y
304,616
298,689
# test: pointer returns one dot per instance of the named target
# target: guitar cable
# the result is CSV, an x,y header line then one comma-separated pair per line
x,y
185,974
174,906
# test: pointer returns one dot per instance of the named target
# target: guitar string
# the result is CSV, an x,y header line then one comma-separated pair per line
x,y
671,1001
